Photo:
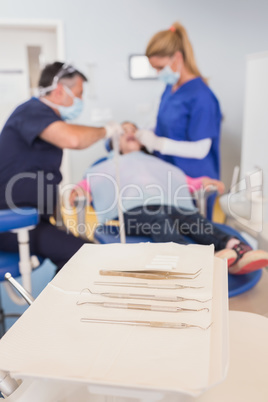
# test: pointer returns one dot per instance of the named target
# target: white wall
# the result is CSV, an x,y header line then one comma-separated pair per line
x,y
105,32
255,125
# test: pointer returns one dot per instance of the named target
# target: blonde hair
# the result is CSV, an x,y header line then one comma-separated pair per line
x,y
167,43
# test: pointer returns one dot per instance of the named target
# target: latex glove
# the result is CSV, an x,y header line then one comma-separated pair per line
x,y
151,141
167,146
113,130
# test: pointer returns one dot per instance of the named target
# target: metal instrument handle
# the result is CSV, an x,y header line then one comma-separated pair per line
x,y
23,292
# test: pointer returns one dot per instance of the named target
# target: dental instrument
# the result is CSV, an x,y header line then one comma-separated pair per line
x,y
143,297
153,324
149,307
154,274
147,285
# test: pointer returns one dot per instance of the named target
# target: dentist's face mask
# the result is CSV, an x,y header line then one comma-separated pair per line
x,y
73,111
66,112
168,76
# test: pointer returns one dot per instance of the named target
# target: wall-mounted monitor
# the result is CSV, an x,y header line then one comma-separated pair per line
x,y
140,68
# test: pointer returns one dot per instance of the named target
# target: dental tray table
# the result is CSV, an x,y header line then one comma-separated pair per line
x,y
51,342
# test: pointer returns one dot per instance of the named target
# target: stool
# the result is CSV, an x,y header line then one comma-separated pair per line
x,y
19,221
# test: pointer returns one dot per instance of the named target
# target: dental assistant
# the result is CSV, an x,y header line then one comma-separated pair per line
x,y
187,132
31,145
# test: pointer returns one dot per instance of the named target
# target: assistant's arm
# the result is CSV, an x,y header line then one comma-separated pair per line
x,y
186,149
166,146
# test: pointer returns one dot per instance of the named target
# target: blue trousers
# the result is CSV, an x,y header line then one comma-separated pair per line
x,y
165,223
46,241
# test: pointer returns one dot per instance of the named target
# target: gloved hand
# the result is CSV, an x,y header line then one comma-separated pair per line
x,y
113,130
151,141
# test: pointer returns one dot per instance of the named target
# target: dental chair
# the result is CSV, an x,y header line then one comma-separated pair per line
x,y
19,221
110,233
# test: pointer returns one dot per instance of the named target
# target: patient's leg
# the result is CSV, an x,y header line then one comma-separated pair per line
x,y
198,228
155,222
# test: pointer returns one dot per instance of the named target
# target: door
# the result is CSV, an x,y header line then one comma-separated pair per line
x,y
25,48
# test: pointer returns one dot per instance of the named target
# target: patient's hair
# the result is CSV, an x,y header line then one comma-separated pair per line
x,y
110,142
167,43
51,70
130,122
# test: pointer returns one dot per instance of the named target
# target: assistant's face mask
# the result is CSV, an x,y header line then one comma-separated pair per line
x,y
73,111
168,76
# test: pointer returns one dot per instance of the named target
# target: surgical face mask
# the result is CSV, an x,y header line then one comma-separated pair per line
x,y
168,76
67,112
73,111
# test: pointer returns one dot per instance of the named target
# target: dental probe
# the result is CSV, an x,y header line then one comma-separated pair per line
x,y
143,297
154,324
147,285
149,307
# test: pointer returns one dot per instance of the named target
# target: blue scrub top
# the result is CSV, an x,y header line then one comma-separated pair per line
x,y
32,164
191,113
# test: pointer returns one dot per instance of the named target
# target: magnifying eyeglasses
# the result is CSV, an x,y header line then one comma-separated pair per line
x,y
65,71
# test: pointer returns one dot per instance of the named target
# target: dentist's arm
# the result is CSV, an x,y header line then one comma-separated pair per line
x,y
166,146
74,136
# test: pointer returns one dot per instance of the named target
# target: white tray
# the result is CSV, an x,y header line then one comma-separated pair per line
x,y
50,342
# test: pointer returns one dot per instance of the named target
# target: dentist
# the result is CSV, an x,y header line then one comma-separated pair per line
x,y
31,145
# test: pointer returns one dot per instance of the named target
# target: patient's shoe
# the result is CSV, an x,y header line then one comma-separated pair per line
x,y
249,261
234,254
228,254
241,259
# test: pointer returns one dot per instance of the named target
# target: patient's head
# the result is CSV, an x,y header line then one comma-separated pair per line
x,y
128,141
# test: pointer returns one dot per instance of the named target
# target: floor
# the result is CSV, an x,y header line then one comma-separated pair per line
x,y
254,300
40,278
